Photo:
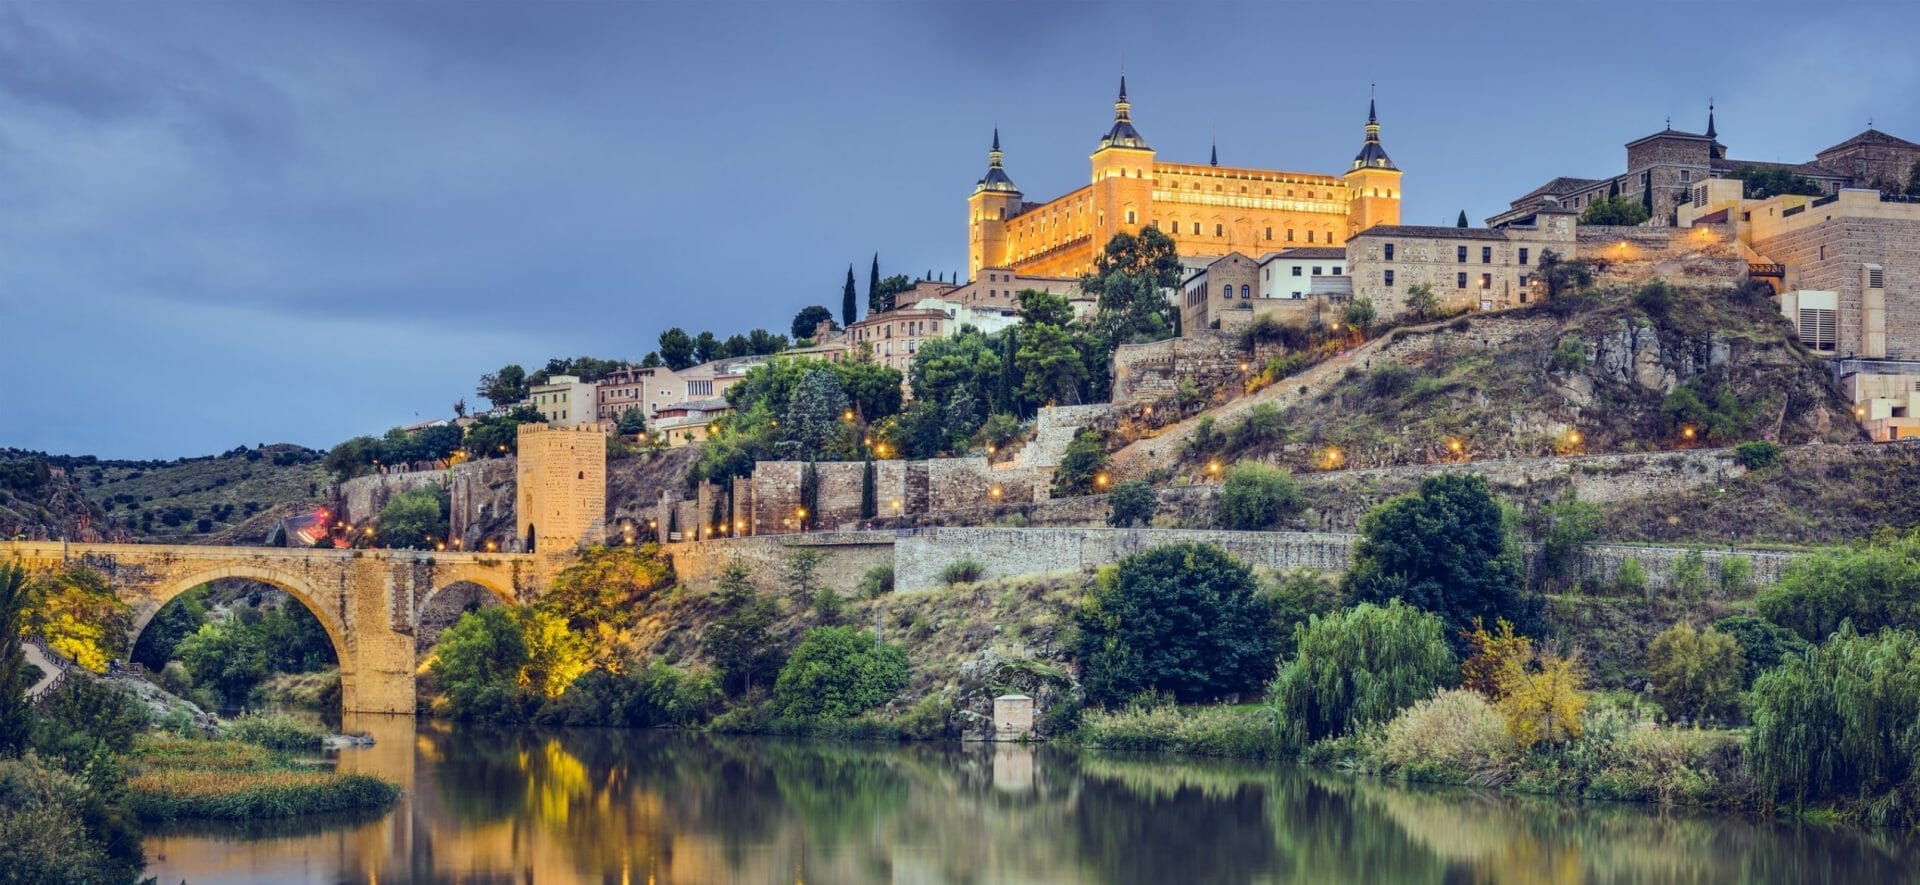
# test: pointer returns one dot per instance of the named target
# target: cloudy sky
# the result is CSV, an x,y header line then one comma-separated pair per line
x,y
266,222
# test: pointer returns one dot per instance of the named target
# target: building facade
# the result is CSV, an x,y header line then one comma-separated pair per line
x,y
648,389
564,401
1663,168
1290,273
1209,210
999,288
1466,267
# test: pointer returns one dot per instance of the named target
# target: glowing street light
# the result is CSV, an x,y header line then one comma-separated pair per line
x,y
1100,480
1686,433
1333,458
1213,467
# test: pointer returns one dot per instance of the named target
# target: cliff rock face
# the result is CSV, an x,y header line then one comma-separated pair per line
x,y
44,504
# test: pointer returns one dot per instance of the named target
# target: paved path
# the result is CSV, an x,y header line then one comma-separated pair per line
x,y
53,667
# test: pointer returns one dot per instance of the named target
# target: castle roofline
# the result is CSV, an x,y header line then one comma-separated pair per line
x,y
1671,133
1871,136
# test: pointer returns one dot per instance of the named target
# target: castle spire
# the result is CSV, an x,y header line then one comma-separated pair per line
x,y
1372,154
1123,134
1710,132
1213,157
996,178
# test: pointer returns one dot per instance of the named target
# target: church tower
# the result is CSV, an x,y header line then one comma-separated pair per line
x,y
995,200
1373,184
1122,177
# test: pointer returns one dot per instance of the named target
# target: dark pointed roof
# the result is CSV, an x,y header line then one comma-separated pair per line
x,y
1123,135
996,178
1871,136
1372,155
1710,132
1213,155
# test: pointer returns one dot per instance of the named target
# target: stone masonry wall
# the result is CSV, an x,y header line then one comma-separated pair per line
x,y
1144,373
849,556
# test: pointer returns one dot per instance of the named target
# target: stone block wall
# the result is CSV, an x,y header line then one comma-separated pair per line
x,y
849,556
1208,358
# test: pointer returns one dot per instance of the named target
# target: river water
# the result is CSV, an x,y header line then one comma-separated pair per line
x,y
486,805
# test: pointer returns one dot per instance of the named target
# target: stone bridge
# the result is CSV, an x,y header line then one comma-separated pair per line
x,y
369,601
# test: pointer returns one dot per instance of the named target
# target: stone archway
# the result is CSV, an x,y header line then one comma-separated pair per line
x,y
147,602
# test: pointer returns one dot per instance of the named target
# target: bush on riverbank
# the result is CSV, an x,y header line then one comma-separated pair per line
x,y
1186,619
1241,732
180,778
277,731
1358,667
838,673
55,827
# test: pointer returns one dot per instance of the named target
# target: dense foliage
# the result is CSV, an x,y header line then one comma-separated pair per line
x,y
74,609
1764,645
415,519
1358,667
1875,586
1082,465
793,408
1185,619
739,642
1836,727
1446,549
1257,497
1130,504
1615,210
839,672
1696,675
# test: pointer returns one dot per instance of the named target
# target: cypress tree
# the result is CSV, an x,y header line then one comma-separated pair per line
x,y
810,496
848,306
869,498
1462,220
1613,189
873,285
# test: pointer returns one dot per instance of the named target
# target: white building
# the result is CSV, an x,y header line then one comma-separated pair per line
x,y
1289,273
564,401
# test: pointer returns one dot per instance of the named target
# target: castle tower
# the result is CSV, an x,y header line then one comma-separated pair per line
x,y
1122,177
995,199
1373,184
560,491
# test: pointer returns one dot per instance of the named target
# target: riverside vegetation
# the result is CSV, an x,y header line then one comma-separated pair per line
x,y
82,769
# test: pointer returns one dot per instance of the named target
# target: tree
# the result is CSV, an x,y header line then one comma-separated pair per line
x,y
459,408
1541,699
874,304
1763,645
707,348
477,665
651,360
1053,366
1445,549
631,422
1129,280
815,424
809,318
1044,308
75,610
603,594
1358,667
1836,726
1773,181
1185,619
415,519
1695,674
761,342
1876,587
1485,669
1082,465
15,713
869,494
849,301
676,348
1130,504
873,390
226,657
890,290
504,387
1563,277
1462,220
1421,305
839,672
800,572
1360,314
1256,497
1615,211
739,642
967,360
1564,528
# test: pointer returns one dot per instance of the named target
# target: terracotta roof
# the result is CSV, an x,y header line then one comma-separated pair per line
x,y
1309,252
1560,187
1435,231
1871,136
1810,169
1671,133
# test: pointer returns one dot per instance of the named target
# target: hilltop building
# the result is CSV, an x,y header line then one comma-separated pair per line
x,y
1662,169
1208,209
564,401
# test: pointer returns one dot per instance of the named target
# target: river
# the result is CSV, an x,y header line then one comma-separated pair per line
x,y
489,805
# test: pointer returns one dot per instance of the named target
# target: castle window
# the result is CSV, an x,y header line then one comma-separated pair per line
x,y
1226,291
1243,188
1523,255
1389,248
1460,254
1686,175
1289,192
1316,271
1459,281
1219,230
1244,290
1486,281
1269,193
1309,236
1269,233
1130,216
1387,276
1486,254
1289,235
1296,270
1336,270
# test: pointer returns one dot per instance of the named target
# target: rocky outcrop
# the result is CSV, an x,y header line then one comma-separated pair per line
x,y
45,504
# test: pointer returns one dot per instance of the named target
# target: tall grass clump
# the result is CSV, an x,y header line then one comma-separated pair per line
x,y
181,778
277,731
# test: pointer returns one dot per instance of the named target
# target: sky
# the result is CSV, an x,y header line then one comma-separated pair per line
x,y
228,225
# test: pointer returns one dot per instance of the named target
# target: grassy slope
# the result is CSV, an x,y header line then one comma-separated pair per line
x,y
220,488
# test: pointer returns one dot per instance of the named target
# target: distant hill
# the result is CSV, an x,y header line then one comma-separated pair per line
x,y
230,498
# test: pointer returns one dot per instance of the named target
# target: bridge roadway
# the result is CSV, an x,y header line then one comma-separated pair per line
x,y
369,601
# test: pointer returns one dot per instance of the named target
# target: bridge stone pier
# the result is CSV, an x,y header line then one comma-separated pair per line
x,y
369,601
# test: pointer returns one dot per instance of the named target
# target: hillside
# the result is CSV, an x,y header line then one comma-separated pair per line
x,y
1607,371
231,498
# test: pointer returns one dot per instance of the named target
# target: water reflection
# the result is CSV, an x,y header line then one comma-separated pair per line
x,y
489,805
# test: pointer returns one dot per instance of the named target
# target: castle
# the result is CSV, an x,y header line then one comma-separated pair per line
x,y
1209,210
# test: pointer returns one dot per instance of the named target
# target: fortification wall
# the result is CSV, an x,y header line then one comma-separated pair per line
x,y
849,555
1206,358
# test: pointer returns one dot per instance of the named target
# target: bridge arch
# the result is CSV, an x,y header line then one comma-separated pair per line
x,y
149,602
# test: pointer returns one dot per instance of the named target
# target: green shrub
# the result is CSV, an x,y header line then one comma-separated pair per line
x,y
837,673
1446,549
277,731
1130,503
1836,727
1736,576
1194,731
877,582
1757,454
1256,497
1359,667
55,827
1689,574
930,719
1631,579
1570,355
477,666
828,606
1656,298
1763,644
1389,381
1081,465
657,695
1876,586
1184,618
1454,736
1295,597
1695,675
964,571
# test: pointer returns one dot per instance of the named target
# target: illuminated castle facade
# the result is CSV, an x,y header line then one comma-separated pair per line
x,y
1209,210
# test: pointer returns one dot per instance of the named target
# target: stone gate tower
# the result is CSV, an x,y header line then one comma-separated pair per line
x,y
560,490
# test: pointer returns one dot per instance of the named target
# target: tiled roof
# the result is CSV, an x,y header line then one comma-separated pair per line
x,y
1812,169
1310,252
1435,231
1560,187
1872,136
